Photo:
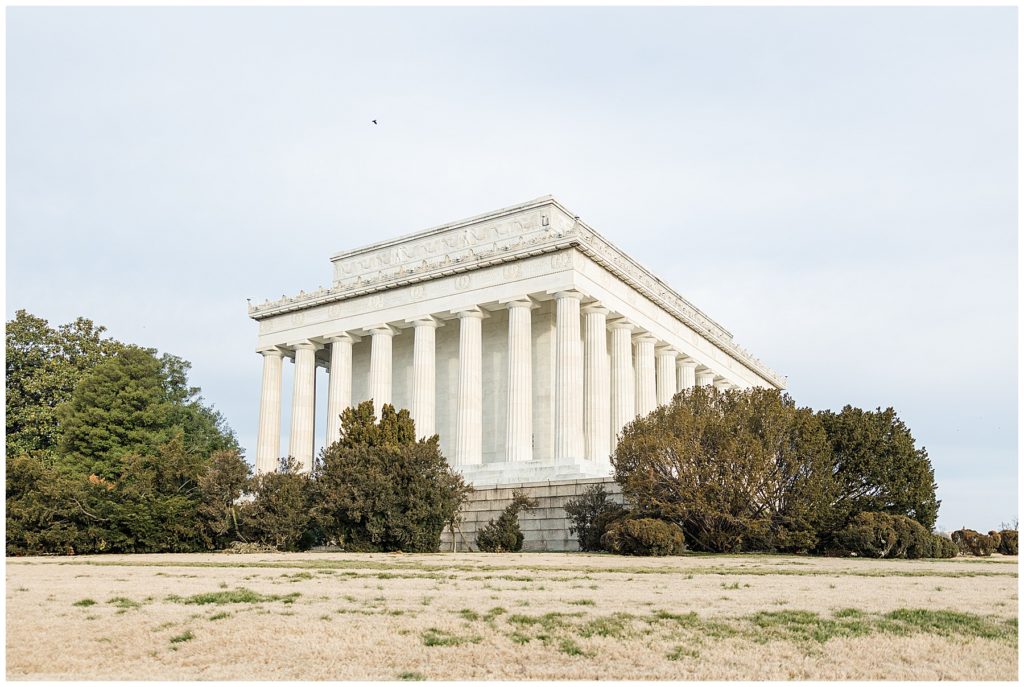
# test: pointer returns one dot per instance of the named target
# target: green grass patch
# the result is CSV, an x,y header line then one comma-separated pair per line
x,y
469,614
567,646
582,602
84,603
186,636
124,603
949,623
234,596
807,626
494,613
615,625
411,675
220,615
297,577
436,637
681,652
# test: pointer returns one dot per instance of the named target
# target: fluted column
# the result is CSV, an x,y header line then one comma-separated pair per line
x,y
705,377
424,371
339,384
380,366
646,386
268,441
469,418
300,445
623,383
686,374
519,424
568,378
596,386
666,375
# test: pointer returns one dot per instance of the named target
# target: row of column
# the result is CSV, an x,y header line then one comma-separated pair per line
x,y
593,400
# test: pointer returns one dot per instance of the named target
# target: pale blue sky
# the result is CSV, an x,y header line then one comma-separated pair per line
x,y
835,186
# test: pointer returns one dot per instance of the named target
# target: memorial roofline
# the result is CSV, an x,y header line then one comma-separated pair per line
x,y
394,262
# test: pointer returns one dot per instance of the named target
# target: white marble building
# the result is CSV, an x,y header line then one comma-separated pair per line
x,y
521,336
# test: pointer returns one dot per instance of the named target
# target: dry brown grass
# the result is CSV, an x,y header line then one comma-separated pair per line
x,y
517,616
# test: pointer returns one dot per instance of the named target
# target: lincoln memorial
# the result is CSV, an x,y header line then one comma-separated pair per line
x,y
522,337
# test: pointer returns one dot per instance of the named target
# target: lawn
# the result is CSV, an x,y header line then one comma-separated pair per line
x,y
509,616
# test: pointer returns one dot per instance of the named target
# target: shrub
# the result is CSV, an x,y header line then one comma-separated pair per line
x,y
880,535
278,516
973,543
644,537
504,533
1008,542
378,488
680,463
590,514
943,547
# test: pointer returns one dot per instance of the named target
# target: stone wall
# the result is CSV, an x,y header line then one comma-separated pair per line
x,y
545,528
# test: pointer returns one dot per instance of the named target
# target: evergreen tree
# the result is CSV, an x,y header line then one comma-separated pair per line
x,y
132,403
878,467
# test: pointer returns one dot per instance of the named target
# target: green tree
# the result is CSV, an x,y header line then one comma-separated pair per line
x,y
877,467
132,403
43,367
379,489
735,470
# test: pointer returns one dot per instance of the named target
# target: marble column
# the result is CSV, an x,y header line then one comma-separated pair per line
x,y
722,384
596,386
666,375
300,445
623,392
705,377
339,384
469,411
519,423
424,370
268,441
646,385
568,378
686,370
380,366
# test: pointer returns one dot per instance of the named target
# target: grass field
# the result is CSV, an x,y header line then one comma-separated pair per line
x,y
518,616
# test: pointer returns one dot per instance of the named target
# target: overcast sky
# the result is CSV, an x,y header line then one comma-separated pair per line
x,y
836,186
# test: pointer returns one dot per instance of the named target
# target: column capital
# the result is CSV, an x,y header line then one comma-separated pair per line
x,y
473,312
341,336
425,321
621,323
645,337
306,345
595,308
567,293
519,302
382,329
687,362
271,352
665,349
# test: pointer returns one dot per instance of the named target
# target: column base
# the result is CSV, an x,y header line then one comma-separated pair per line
x,y
531,471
